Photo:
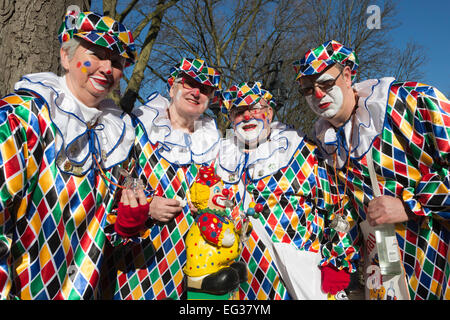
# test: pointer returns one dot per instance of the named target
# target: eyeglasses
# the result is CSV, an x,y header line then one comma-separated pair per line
x,y
101,53
190,83
324,86
254,110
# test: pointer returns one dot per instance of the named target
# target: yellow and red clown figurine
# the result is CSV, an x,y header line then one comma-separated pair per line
x,y
213,241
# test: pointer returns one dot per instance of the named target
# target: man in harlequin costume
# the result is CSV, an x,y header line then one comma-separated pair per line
x,y
173,139
404,127
61,146
273,171
213,241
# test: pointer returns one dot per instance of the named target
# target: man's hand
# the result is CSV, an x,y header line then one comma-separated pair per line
x,y
386,209
163,209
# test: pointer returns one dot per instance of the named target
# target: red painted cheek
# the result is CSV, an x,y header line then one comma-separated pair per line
x,y
78,64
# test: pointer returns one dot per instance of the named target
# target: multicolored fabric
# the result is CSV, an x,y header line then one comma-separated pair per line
x,y
100,30
245,94
52,223
264,281
298,201
327,54
151,268
197,69
411,160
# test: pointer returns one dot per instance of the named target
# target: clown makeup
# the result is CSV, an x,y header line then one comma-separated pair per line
x,y
218,198
252,123
253,131
193,99
84,66
92,72
326,104
187,105
98,81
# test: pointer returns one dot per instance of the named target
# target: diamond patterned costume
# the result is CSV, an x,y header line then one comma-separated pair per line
x,y
283,174
406,126
53,208
167,161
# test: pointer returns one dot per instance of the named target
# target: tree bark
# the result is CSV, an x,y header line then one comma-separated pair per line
x,y
28,38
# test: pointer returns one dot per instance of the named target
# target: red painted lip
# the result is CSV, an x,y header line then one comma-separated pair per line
x,y
324,105
102,81
249,127
219,200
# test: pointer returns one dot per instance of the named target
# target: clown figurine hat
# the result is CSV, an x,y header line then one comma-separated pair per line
x,y
245,94
198,70
207,176
201,188
327,54
100,30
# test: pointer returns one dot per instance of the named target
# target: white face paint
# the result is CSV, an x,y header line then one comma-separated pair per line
x,y
331,102
253,131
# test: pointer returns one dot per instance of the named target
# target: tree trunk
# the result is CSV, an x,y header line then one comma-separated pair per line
x,y
28,37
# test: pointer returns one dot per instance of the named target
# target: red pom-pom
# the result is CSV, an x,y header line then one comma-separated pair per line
x,y
259,207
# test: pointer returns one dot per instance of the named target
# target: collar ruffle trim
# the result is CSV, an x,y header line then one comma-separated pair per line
x,y
370,115
108,134
265,160
176,146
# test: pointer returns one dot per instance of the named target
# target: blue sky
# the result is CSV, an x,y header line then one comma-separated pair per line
x,y
428,23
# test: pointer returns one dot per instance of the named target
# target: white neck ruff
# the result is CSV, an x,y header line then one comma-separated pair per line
x,y
106,132
369,121
176,146
269,157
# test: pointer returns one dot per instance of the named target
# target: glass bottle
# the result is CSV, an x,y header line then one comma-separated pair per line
x,y
387,246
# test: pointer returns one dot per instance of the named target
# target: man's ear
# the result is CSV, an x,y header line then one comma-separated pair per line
x,y
347,76
270,114
64,59
172,91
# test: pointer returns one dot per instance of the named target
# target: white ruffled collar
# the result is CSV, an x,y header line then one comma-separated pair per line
x,y
266,159
106,132
369,121
176,146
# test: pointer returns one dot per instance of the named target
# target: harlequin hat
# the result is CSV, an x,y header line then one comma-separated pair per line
x,y
207,176
329,53
197,69
100,30
245,94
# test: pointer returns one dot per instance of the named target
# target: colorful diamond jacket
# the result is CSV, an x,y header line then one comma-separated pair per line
x,y
298,202
52,215
406,126
167,162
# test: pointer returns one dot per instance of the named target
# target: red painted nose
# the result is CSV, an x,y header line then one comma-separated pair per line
x,y
246,117
318,93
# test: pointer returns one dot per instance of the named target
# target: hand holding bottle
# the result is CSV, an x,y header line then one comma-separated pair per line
x,y
386,209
